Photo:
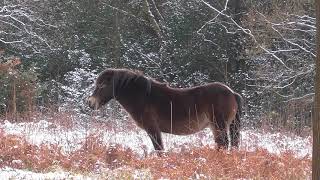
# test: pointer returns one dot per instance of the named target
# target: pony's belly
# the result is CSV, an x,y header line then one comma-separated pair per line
x,y
187,126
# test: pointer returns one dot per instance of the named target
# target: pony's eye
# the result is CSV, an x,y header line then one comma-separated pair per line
x,y
100,86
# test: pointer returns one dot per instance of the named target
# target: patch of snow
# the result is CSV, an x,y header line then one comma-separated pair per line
x,y
276,142
44,132
8,173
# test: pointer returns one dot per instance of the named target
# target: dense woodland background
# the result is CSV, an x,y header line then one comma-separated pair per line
x,y
263,49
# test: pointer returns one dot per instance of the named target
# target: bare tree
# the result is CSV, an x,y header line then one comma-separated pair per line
x,y
21,27
283,49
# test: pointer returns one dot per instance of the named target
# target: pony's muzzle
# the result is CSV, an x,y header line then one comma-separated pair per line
x,y
93,102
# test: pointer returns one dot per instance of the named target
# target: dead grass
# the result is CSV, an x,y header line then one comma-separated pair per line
x,y
210,163
16,152
197,163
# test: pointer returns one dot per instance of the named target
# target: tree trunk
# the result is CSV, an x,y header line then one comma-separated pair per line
x,y
316,117
152,20
117,40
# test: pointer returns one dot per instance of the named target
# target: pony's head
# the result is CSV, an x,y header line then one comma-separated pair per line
x,y
104,89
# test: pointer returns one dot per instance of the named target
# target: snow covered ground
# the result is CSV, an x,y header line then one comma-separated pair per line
x,y
44,132
70,139
8,173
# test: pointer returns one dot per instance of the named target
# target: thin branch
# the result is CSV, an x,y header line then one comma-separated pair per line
x,y
285,39
125,12
246,31
157,10
9,15
310,95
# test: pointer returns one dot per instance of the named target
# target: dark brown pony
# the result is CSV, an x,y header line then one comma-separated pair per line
x,y
157,108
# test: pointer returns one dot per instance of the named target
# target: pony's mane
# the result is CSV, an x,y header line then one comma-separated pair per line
x,y
122,77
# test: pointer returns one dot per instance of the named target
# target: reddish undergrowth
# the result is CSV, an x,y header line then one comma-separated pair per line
x,y
16,152
201,163
206,162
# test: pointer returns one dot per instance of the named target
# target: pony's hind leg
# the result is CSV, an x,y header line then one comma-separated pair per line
x,y
235,131
221,138
220,132
155,136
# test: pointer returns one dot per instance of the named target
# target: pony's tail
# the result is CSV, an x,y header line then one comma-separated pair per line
x,y
236,124
239,100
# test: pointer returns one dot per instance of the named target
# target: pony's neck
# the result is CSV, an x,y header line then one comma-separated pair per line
x,y
134,95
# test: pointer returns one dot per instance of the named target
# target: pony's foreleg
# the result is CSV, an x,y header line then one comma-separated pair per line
x,y
235,131
155,136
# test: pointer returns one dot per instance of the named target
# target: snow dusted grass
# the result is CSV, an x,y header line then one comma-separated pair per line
x,y
11,173
8,173
120,149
